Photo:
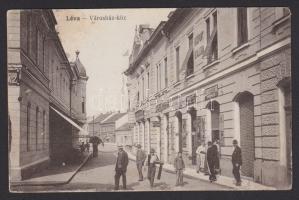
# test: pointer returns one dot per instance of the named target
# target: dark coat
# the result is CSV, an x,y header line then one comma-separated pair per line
x,y
237,156
212,155
124,161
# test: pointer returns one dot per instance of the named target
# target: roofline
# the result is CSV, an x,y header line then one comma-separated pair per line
x,y
155,36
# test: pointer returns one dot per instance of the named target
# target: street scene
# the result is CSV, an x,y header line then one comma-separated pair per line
x,y
162,99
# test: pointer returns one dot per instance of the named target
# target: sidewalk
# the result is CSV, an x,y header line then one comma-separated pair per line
x,y
54,175
221,180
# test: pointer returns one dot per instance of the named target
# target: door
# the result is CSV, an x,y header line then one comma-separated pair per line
x,y
247,133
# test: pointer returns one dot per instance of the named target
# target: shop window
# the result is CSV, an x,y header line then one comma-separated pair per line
x,y
242,26
212,41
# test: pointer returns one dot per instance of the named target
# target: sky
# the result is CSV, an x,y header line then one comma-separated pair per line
x,y
102,44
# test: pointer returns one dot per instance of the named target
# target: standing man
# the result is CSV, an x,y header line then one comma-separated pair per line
x,y
121,167
212,160
200,152
237,162
152,160
179,166
140,158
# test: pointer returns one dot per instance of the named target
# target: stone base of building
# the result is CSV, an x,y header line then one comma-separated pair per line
x,y
21,173
271,173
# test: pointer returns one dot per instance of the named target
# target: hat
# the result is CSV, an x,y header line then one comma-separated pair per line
x,y
138,146
120,146
235,141
152,150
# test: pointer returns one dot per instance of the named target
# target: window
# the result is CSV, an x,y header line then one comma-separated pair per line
x,y
44,129
157,77
177,56
29,29
242,26
143,88
36,128
83,105
281,12
190,63
40,50
212,42
160,78
165,71
28,127
148,83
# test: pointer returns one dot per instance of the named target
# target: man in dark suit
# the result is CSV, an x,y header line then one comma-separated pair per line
x,y
212,156
140,159
237,162
121,167
151,160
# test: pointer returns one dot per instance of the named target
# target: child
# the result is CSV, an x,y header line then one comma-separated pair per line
x,y
179,166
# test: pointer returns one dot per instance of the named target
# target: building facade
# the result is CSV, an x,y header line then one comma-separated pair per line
x,y
39,93
211,74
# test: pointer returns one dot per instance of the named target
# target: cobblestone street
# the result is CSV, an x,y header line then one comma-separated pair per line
x,y
98,175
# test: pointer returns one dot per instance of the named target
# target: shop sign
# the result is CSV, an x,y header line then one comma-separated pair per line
x,y
211,92
139,115
162,106
191,99
178,103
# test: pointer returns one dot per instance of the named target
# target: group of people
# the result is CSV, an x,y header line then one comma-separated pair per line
x,y
208,162
122,161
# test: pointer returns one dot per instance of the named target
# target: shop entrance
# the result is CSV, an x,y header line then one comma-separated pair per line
x,y
247,143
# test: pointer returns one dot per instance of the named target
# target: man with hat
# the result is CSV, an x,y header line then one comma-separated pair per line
x,y
140,158
237,162
152,160
121,167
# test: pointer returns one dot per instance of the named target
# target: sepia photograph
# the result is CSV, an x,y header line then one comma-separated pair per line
x,y
149,99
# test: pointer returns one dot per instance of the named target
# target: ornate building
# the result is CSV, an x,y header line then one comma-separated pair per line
x,y
43,110
211,74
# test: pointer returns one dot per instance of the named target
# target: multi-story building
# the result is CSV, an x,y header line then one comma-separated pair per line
x,y
212,74
43,117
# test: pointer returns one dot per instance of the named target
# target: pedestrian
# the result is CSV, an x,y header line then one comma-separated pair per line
x,y
216,143
212,160
87,146
237,162
179,166
200,152
151,160
82,147
95,148
140,158
121,167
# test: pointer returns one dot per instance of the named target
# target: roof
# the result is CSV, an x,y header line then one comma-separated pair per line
x,y
113,118
155,36
125,127
100,118
81,68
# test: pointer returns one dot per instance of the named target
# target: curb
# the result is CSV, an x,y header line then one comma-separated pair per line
x,y
52,183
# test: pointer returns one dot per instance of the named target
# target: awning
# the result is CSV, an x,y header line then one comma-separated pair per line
x,y
70,121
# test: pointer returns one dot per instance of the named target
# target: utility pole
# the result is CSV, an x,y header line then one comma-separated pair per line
x,y
93,125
